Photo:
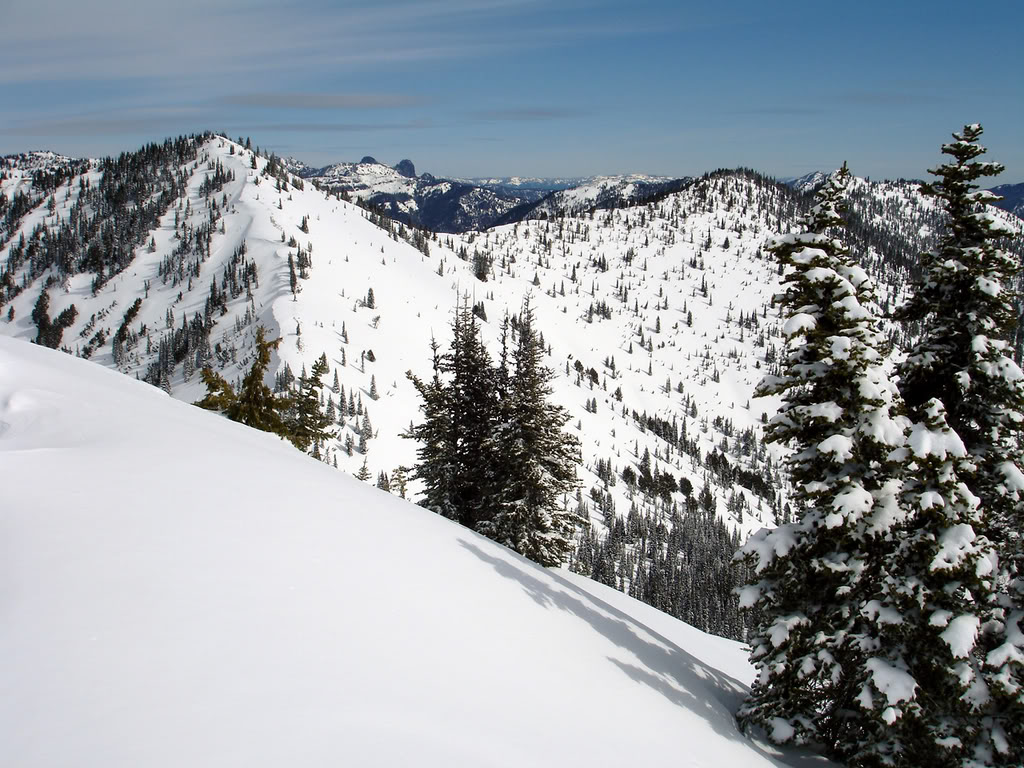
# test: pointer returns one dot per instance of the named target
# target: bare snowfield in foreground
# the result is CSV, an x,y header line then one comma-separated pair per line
x,y
179,590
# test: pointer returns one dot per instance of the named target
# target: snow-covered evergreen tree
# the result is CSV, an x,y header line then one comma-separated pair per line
x,y
925,692
839,414
964,302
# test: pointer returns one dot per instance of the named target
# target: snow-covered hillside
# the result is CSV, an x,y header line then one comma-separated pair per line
x,y
657,317
182,590
604,192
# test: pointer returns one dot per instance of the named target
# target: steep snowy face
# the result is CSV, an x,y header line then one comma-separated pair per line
x,y
206,595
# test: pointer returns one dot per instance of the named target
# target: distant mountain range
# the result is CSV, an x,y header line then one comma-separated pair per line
x,y
462,205
1013,198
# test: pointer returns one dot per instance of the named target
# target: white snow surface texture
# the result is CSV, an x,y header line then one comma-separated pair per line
x,y
180,590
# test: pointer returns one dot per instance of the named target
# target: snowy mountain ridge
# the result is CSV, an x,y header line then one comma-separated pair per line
x,y
657,317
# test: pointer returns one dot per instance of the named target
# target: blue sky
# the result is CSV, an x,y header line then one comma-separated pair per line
x,y
527,87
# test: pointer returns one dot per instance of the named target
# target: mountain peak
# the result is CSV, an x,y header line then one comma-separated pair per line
x,y
406,168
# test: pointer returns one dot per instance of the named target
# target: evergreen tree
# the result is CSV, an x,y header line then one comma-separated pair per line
x,y
460,412
308,423
812,642
926,690
255,404
536,459
492,454
964,304
435,436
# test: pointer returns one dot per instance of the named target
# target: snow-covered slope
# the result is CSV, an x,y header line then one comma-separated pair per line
x,y
602,288
658,320
181,590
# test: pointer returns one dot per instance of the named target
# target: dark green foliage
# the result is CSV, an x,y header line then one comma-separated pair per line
x,y
50,332
481,265
460,410
493,455
255,404
937,576
535,460
964,302
813,577
308,424
676,558
962,359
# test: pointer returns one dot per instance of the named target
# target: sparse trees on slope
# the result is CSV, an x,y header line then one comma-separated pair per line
x,y
839,414
964,302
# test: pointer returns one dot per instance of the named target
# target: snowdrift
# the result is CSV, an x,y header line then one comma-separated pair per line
x,y
179,590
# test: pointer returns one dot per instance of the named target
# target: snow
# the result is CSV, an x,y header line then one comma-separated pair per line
x,y
941,444
182,590
960,635
779,631
893,683
954,543
1014,477
765,545
852,502
840,446
799,323
781,730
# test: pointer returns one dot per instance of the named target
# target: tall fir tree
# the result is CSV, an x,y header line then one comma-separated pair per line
x,y
534,456
492,452
926,690
308,423
473,400
812,643
459,406
255,404
435,435
964,305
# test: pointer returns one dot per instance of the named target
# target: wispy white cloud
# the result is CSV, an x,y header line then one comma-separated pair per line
x,y
320,100
527,114
112,38
120,122
302,127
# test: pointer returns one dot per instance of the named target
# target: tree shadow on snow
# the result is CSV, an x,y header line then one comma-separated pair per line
x,y
660,664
